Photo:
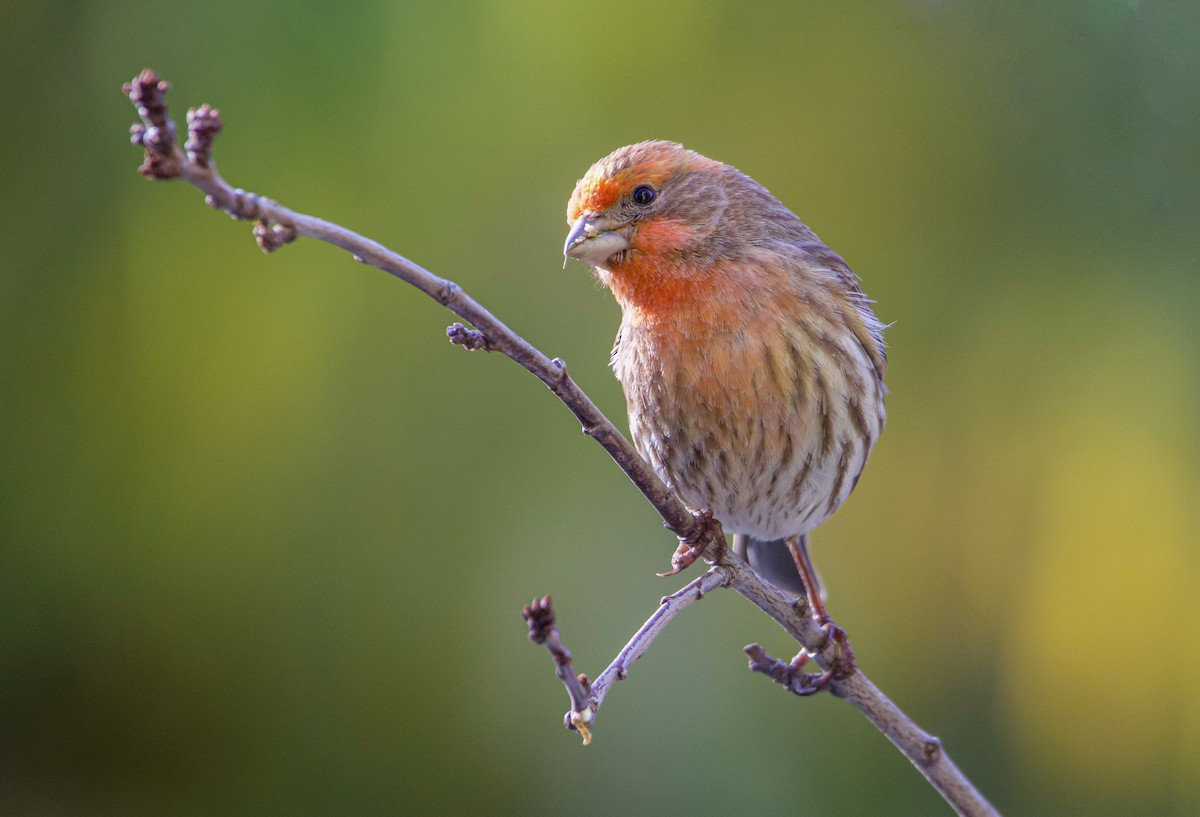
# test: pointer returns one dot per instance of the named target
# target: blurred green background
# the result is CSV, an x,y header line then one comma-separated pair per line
x,y
264,534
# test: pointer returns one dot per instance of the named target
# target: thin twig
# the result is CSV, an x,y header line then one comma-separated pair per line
x,y
586,698
278,225
668,607
539,615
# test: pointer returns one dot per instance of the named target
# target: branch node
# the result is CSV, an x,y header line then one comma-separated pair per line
x,y
469,339
271,237
447,292
932,750
560,369
245,205
581,722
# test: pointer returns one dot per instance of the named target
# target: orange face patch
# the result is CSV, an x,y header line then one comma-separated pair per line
x,y
603,187
593,194
659,236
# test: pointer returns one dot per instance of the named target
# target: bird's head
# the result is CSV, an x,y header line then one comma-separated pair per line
x,y
673,233
645,207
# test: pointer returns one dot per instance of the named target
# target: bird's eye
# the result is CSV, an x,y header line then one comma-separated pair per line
x,y
643,195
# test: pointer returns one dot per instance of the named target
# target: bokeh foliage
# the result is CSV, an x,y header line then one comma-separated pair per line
x,y
264,533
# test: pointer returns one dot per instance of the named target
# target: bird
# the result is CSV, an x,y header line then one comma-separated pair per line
x,y
751,361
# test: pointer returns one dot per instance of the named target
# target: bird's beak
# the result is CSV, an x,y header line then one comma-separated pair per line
x,y
593,240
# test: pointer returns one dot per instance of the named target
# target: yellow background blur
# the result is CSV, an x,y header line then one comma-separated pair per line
x,y
264,534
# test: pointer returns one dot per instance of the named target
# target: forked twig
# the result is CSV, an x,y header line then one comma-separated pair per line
x,y
586,697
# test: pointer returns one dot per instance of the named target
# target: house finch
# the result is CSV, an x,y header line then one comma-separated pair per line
x,y
751,361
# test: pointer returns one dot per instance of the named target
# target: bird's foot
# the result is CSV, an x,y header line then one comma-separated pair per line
x,y
841,665
707,534
790,674
844,665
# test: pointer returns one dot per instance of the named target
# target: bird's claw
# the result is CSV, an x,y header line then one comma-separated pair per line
x,y
841,666
805,683
707,533
682,558
809,683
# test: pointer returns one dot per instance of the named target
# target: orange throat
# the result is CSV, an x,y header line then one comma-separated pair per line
x,y
652,292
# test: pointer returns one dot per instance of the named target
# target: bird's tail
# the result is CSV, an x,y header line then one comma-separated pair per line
x,y
773,561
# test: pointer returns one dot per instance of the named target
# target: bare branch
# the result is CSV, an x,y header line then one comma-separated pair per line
x,y
278,225
699,534
668,607
586,698
539,615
